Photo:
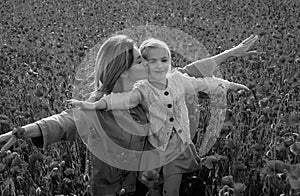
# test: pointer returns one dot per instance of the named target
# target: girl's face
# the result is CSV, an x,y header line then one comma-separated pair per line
x,y
139,68
159,63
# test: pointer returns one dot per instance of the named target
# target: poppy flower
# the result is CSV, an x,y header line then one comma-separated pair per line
x,y
277,166
239,187
210,160
229,143
69,171
295,148
38,93
2,167
227,180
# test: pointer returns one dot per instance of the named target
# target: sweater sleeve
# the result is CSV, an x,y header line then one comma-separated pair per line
x,y
200,69
126,100
208,84
56,128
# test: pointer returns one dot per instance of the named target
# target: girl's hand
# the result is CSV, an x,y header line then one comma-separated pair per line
x,y
75,102
83,105
243,47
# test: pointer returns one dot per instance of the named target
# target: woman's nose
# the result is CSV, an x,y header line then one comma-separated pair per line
x,y
145,62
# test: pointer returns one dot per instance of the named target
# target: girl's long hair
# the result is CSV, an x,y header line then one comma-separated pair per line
x,y
114,57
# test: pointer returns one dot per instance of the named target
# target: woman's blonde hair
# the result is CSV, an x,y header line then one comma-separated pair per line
x,y
114,57
153,43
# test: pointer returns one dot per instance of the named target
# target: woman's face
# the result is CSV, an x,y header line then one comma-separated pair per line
x,y
139,68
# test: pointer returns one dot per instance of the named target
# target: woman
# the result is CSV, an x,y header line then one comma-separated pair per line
x,y
118,66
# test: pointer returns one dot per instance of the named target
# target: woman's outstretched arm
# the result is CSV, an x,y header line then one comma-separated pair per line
x,y
30,131
45,131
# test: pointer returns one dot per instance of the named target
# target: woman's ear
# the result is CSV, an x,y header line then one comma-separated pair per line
x,y
124,74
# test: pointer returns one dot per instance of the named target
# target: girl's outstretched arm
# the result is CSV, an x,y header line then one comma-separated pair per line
x,y
237,51
208,84
98,105
125,100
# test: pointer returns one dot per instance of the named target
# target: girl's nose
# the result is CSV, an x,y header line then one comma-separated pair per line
x,y
160,64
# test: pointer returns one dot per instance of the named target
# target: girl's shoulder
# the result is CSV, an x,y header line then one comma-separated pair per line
x,y
175,74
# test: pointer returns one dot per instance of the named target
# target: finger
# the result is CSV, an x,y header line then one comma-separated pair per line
x,y
236,86
253,52
250,40
243,87
247,39
71,100
10,142
5,136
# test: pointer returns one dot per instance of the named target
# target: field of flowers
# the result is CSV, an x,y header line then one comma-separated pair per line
x,y
258,153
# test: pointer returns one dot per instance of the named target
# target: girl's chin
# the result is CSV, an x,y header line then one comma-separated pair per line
x,y
158,79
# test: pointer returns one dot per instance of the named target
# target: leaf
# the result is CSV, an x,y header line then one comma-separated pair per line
x,y
288,142
15,170
2,167
9,185
294,176
47,68
4,122
17,161
257,147
4,117
54,164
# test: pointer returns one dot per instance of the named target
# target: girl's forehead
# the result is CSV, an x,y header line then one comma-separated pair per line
x,y
157,52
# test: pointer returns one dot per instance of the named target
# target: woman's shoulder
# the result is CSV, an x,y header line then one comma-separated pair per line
x,y
141,82
141,85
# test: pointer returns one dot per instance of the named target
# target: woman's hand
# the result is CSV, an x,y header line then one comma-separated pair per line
x,y
243,47
237,86
10,140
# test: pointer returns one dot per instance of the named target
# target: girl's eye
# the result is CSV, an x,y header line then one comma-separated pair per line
x,y
164,60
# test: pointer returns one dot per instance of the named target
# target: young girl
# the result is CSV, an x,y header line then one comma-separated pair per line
x,y
163,96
